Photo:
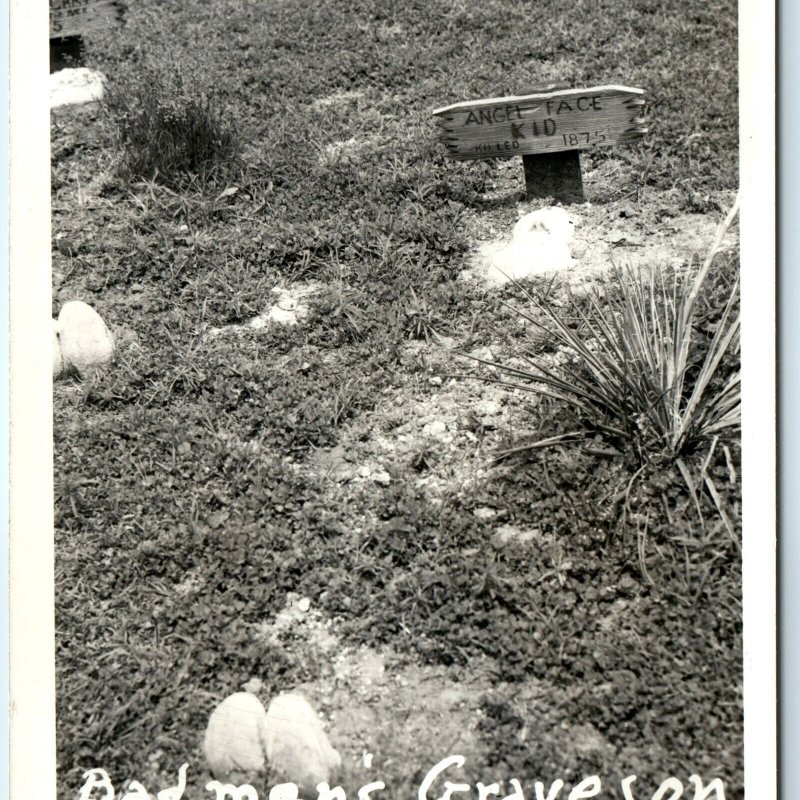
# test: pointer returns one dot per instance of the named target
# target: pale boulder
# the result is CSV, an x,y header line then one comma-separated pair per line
x,y
551,221
75,86
58,359
539,244
233,744
297,748
85,339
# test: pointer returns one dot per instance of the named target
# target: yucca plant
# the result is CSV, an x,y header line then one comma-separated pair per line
x,y
638,367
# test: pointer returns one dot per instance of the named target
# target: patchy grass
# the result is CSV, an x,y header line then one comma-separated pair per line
x,y
189,497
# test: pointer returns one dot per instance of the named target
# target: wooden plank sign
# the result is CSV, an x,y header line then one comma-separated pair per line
x,y
77,17
550,122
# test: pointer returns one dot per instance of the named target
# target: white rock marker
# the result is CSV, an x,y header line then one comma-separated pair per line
x,y
296,745
539,243
58,359
85,340
75,86
233,744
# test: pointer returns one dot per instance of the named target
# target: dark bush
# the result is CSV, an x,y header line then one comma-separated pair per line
x,y
170,128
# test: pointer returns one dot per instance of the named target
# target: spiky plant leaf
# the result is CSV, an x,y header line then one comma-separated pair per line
x,y
637,363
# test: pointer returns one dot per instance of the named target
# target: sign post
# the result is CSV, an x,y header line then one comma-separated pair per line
x,y
555,175
547,128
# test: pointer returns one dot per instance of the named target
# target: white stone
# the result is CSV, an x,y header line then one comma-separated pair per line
x,y
552,220
75,86
233,744
615,236
435,428
85,339
382,478
296,745
539,244
58,359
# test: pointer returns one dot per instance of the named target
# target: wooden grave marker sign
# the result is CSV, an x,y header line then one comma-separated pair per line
x,y
548,128
76,17
71,19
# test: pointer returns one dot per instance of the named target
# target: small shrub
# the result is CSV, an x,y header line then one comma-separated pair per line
x,y
168,127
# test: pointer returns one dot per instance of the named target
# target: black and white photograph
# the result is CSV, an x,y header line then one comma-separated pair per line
x,y
397,440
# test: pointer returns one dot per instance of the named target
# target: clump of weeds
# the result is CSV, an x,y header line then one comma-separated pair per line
x,y
170,127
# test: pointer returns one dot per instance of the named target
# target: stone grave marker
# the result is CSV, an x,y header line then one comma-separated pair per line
x,y
548,128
